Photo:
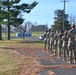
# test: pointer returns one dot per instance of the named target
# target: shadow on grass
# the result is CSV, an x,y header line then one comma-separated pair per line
x,y
10,72
29,41
21,41
9,48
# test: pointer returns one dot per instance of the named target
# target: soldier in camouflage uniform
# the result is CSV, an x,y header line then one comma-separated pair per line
x,y
60,42
64,45
45,40
55,42
51,36
48,39
72,43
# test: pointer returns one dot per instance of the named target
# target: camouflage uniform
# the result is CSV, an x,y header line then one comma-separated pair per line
x,y
65,44
51,36
72,43
55,42
48,39
45,40
60,42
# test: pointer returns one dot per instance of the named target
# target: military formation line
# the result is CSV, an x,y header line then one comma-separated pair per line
x,y
62,43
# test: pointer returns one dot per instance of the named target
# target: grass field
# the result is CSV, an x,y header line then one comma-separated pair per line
x,y
14,34
7,64
10,60
37,33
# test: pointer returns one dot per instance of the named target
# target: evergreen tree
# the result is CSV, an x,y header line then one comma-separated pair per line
x,y
58,23
12,9
1,19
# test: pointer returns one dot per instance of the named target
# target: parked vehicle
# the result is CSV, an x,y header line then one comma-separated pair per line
x,y
41,37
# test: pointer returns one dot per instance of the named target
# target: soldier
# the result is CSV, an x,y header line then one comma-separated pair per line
x,y
60,42
45,40
48,39
72,43
55,42
51,36
64,45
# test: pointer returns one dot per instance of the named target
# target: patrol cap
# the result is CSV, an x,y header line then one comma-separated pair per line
x,y
50,29
73,26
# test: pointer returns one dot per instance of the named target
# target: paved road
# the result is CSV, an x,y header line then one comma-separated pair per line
x,y
57,71
33,38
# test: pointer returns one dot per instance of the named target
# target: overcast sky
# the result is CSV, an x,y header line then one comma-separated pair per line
x,y
43,13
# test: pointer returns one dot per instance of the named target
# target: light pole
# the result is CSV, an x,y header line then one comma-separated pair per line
x,y
64,14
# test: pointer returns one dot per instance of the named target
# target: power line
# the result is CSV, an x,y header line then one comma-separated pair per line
x,y
41,16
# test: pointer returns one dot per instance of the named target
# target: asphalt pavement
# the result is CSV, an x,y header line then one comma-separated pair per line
x,y
58,61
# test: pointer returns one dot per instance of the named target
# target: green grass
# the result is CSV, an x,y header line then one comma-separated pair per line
x,y
14,34
37,33
7,64
10,72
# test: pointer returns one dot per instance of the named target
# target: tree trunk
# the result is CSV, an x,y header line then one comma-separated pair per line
x,y
23,35
8,22
8,32
0,27
0,32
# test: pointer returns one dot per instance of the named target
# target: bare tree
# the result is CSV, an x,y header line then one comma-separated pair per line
x,y
24,28
72,19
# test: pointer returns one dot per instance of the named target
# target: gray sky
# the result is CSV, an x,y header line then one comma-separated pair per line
x,y
43,13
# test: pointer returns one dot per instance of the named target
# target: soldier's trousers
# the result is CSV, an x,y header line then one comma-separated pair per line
x,y
75,53
51,45
72,53
65,52
48,44
59,50
55,48
45,44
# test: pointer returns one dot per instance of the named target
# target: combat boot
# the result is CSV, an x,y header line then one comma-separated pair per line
x,y
74,60
65,59
70,61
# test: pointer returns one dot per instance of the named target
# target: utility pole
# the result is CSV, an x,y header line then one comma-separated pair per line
x,y
64,14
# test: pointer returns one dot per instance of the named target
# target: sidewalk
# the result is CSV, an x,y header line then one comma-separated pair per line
x,y
60,70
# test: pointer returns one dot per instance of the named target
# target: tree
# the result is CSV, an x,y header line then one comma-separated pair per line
x,y
13,9
29,25
40,28
72,19
1,20
24,27
58,23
